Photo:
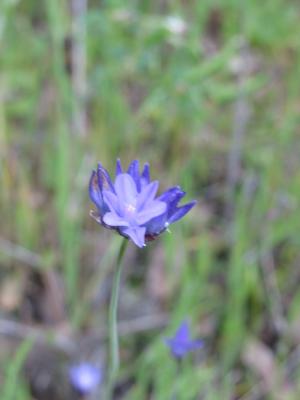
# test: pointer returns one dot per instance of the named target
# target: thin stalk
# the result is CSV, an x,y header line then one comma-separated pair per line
x,y
179,368
114,358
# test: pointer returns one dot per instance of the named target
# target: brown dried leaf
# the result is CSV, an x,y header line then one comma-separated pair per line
x,y
10,294
260,359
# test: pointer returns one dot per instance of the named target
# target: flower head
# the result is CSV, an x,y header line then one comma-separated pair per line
x,y
85,377
130,206
181,343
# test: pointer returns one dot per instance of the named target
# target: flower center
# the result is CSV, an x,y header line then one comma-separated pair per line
x,y
130,208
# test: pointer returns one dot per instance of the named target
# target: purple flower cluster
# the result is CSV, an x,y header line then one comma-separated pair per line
x,y
130,206
181,343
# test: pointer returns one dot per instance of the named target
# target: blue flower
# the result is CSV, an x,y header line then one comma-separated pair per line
x,y
181,343
85,377
130,206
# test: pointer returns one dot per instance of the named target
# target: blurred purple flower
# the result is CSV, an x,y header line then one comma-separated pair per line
x,y
85,377
129,204
181,343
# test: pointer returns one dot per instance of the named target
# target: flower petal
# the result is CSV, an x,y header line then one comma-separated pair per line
x,y
111,201
156,225
112,219
126,189
153,209
180,212
118,167
183,332
172,197
195,344
172,193
136,234
104,180
94,190
177,348
96,195
147,194
85,377
133,171
181,343
145,176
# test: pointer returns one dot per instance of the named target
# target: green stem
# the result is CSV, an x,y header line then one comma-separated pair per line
x,y
114,358
177,379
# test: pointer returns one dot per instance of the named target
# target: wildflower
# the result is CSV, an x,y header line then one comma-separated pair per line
x,y
129,204
181,343
175,25
85,377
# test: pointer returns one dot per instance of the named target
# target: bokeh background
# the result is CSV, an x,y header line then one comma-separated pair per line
x,y
207,92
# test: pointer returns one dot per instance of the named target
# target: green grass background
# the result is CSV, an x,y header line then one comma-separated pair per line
x,y
178,101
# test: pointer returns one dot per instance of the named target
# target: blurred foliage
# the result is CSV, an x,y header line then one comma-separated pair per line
x,y
208,93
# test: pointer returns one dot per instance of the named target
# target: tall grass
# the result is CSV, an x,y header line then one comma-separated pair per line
x,y
169,98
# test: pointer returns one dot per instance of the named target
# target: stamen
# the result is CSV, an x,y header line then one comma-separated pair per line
x,y
130,208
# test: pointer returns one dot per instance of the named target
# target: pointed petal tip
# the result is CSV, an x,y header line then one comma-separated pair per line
x,y
133,171
183,331
192,203
172,196
179,188
95,216
136,234
104,180
146,168
94,191
180,212
199,343
119,169
145,175
134,164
